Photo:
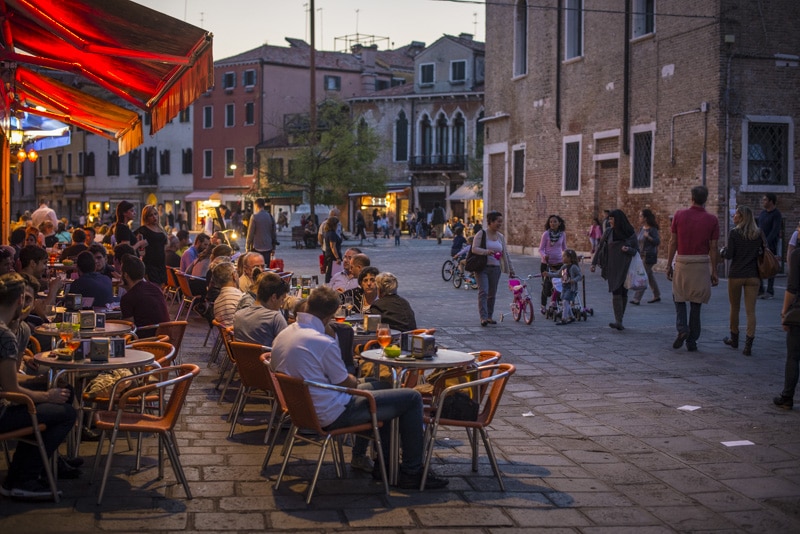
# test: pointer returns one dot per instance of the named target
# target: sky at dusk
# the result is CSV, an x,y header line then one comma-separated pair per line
x,y
240,25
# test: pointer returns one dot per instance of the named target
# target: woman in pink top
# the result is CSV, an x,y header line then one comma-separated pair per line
x,y
553,244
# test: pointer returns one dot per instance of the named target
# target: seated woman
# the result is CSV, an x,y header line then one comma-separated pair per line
x,y
393,309
365,294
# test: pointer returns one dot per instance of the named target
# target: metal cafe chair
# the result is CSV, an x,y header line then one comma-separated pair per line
x,y
297,394
487,384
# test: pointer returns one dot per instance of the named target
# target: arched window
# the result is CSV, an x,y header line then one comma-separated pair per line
x,y
459,136
401,137
442,138
426,139
521,38
479,137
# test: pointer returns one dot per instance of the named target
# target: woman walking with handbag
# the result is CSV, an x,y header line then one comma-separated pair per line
x,y
490,244
616,249
649,240
744,244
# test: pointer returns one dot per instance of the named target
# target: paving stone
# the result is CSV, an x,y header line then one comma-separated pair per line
x,y
620,516
548,518
764,487
453,516
234,521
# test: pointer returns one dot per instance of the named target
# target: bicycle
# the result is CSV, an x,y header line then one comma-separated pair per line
x,y
462,277
447,270
521,305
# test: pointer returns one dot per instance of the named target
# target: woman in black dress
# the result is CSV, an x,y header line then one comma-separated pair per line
x,y
151,232
122,232
333,249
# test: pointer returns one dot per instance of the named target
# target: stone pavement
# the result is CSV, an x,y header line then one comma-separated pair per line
x,y
589,435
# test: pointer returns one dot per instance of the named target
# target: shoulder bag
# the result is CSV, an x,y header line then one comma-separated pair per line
x,y
768,265
476,263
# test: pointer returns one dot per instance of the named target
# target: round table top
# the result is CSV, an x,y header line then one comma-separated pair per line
x,y
111,330
361,337
444,358
132,358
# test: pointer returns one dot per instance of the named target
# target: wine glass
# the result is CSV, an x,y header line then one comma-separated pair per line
x,y
50,312
384,335
348,304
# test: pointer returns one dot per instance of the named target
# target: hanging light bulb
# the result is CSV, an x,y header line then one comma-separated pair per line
x,y
33,156
21,155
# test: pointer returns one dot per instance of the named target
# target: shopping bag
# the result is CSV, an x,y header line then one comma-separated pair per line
x,y
322,264
637,276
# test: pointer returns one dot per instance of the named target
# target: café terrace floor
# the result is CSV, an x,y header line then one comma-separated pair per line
x,y
589,435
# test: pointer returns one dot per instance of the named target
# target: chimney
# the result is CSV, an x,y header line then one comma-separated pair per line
x,y
467,36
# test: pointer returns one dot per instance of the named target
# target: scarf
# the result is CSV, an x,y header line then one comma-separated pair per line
x,y
554,236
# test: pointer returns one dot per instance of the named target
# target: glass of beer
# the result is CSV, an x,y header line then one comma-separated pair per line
x,y
384,336
341,315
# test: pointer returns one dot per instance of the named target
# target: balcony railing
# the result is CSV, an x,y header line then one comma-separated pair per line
x,y
147,179
438,163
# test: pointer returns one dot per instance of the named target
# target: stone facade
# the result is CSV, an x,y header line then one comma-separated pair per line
x,y
609,109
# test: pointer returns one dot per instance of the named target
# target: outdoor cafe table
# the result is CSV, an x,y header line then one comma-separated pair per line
x,y
76,370
444,359
110,330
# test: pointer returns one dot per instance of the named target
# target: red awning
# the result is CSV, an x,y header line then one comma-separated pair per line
x,y
153,61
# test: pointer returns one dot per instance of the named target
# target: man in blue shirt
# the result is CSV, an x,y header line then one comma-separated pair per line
x,y
91,283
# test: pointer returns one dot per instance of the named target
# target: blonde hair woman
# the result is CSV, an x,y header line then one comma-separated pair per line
x,y
151,233
744,246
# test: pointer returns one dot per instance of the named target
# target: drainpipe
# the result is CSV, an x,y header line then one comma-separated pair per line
x,y
559,44
626,82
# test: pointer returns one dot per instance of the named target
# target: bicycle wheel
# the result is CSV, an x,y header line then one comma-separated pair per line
x,y
447,270
527,311
457,278
516,312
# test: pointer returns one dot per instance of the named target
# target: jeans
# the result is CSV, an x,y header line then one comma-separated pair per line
x,y
360,444
404,404
487,280
750,288
693,329
27,462
651,280
792,362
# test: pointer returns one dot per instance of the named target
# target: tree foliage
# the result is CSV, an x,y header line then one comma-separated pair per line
x,y
340,159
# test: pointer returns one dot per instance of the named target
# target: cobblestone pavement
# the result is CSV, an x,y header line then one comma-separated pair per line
x,y
589,435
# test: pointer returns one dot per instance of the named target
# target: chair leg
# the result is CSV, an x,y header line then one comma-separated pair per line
x,y
273,441
180,309
487,443
212,358
208,334
97,455
48,466
290,442
473,440
324,448
238,408
107,469
172,452
432,428
227,383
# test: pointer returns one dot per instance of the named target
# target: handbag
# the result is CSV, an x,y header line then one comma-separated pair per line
x,y
792,317
768,265
475,263
637,276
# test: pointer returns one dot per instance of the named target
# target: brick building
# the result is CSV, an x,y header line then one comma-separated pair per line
x,y
602,104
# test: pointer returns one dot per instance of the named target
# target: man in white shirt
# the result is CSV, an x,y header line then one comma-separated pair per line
x,y
44,213
304,350
346,279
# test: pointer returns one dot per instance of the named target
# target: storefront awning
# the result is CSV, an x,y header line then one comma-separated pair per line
x,y
154,62
195,196
466,192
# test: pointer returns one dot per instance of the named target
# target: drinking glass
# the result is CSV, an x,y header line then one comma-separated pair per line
x,y
65,333
50,313
384,336
348,304
340,315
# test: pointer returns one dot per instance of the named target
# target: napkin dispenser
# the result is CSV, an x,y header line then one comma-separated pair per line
x,y
423,346
88,320
100,320
73,302
371,322
100,349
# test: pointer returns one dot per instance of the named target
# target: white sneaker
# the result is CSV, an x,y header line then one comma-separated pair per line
x,y
362,463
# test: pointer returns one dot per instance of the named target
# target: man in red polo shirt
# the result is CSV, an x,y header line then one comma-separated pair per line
x,y
694,238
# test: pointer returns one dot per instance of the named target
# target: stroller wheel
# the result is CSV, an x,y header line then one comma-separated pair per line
x,y
591,312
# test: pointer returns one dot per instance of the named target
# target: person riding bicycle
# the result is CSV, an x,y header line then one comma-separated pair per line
x,y
458,241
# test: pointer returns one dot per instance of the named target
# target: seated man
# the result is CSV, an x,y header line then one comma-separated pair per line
x,y
33,261
224,277
250,261
171,256
303,350
78,245
346,279
262,321
143,302
393,309
200,244
54,406
101,261
90,283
